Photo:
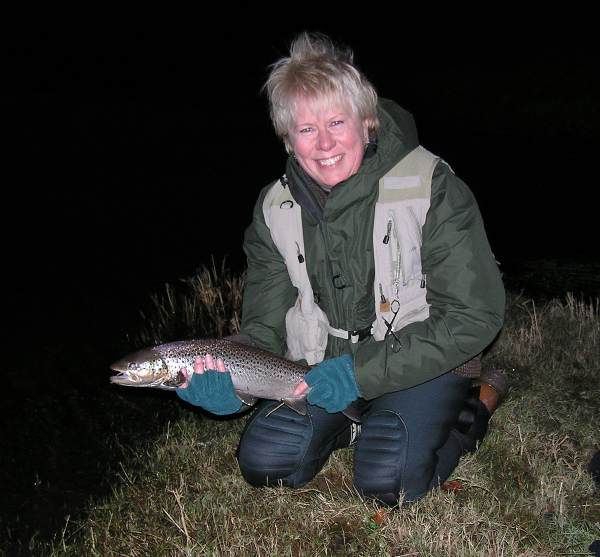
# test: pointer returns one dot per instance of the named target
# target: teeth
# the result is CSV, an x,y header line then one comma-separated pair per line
x,y
331,161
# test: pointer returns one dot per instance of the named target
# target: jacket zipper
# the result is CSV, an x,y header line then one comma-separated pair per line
x,y
335,302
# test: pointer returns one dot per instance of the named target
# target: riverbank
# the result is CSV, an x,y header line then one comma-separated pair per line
x,y
527,490
66,430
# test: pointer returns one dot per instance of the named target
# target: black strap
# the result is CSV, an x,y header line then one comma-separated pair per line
x,y
361,333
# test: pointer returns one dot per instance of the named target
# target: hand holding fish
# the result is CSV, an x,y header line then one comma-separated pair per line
x,y
200,366
239,374
332,384
210,386
301,388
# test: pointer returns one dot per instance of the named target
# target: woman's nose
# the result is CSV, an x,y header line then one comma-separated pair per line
x,y
325,141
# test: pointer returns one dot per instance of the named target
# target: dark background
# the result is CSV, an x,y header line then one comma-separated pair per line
x,y
135,154
140,153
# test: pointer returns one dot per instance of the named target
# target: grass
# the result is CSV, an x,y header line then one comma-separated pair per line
x,y
525,492
207,304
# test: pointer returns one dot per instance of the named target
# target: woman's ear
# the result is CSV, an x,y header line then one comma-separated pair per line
x,y
367,125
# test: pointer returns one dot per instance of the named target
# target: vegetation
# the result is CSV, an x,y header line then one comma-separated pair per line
x,y
525,492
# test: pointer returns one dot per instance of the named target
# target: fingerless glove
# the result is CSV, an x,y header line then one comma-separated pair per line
x,y
212,390
332,384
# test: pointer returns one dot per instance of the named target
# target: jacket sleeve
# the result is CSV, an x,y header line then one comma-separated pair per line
x,y
268,291
464,290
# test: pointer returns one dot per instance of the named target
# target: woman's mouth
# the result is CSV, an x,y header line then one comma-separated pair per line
x,y
331,161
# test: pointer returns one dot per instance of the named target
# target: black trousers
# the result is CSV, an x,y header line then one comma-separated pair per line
x,y
410,440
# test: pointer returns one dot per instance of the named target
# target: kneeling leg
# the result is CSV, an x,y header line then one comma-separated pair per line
x,y
281,447
402,432
380,456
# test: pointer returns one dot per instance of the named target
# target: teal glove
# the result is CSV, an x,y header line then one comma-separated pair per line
x,y
212,390
332,384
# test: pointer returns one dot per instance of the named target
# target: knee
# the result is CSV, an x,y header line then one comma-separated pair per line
x,y
272,448
380,457
385,466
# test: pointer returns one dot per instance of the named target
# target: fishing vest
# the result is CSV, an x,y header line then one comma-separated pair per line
x,y
400,286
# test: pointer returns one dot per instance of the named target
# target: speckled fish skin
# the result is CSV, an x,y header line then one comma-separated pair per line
x,y
255,373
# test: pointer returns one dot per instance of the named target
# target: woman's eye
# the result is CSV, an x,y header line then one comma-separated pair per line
x,y
336,122
305,130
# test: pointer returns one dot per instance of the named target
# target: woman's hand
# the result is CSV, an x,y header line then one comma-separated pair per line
x,y
201,366
332,384
301,388
210,387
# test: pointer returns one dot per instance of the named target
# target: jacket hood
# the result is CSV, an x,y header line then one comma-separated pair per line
x,y
398,132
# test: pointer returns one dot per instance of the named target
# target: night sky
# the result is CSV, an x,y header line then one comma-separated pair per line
x,y
138,153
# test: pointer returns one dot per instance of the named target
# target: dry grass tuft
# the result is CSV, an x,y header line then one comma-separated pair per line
x,y
205,305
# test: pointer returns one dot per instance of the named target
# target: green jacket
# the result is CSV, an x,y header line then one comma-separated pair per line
x,y
464,288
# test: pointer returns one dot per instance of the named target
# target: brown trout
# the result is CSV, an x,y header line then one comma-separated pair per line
x,y
255,373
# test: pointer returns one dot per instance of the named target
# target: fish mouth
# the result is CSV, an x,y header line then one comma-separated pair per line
x,y
125,377
133,371
127,380
122,379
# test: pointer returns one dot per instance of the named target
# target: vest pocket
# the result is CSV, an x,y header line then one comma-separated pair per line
x,y
398,272
306,331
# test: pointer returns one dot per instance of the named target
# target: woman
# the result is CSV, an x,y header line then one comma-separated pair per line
x,y
369,259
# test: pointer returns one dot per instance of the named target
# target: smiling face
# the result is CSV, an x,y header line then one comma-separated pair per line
x,y
328,140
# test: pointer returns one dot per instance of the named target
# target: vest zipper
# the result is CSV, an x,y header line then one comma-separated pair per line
x,y
395,255
386,238
409,273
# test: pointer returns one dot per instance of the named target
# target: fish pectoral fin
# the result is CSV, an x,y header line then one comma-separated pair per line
x,y
296,404
247,399
353,412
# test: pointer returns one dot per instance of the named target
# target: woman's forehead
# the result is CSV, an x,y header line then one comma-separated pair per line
x,y
322,105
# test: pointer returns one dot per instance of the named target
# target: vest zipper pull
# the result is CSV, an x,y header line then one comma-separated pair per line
x,y
386,238
300,256
384,304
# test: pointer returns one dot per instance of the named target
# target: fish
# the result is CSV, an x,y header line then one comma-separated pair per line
x,y
255,373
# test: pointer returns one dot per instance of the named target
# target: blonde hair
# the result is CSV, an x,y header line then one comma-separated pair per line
x,y
320,71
